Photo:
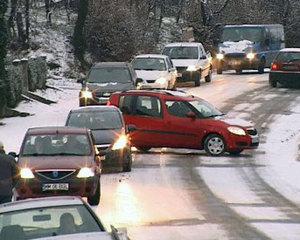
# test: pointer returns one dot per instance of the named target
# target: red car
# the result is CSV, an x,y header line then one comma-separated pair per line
x,y
59,161
177,120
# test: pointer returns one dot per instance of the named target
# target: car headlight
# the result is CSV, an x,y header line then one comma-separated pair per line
x,y
250,56
237,131
86,94
26,173
120,143
191,68
85,172
220,56
161,80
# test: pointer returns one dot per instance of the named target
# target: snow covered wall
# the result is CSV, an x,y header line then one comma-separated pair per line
x,y
24,75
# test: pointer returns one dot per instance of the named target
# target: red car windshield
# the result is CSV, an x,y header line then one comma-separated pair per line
x,y
58,144
205,109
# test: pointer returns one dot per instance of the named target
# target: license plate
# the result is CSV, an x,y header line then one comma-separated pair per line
x,y
255,139
55,186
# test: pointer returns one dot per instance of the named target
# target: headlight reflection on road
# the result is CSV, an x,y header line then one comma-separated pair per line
x,y
127,205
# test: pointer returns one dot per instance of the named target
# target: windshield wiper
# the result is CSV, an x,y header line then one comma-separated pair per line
x,y
68,154
215,115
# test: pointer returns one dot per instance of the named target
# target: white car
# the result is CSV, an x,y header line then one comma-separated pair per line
x,y
52,218
191,61
154,71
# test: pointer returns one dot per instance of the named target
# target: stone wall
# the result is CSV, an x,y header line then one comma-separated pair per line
x,y
24,75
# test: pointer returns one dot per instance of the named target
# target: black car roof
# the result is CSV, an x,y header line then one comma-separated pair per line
x,y
57,130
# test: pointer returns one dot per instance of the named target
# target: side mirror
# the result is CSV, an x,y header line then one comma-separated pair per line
x,y
131,128
13,154
203,57
191,115
138,80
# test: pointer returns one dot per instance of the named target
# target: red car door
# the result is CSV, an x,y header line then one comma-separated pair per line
x,y
146,114
181,122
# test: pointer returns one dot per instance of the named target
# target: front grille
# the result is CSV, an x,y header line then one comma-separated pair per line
x,y
150,81
230,56
252,131
181,69
102,94
55,174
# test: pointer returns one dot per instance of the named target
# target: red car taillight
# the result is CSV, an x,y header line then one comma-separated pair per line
x,y
275,66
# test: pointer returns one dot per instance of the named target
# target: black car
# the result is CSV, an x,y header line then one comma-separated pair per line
x,y
109,132
104,79
286,68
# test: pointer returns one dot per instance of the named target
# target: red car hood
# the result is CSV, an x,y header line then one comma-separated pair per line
x,y
235,121
55,162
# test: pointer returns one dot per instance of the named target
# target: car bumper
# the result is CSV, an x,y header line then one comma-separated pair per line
x,y
285,77
186,76
33,188
93,101
236,142
112,158
234,64
153,86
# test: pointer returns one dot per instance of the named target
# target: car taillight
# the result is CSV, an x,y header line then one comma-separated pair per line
x,y
275,67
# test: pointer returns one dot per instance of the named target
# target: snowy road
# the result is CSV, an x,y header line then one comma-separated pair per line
x,y
184,194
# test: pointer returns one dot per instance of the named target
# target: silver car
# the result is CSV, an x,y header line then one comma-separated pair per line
x,y
53,218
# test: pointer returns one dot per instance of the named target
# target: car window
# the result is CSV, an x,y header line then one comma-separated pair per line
x,y
109,75
96,120
177,108
288,57
57,144
181,52
204,108
47,221
125,104
150,64
148,106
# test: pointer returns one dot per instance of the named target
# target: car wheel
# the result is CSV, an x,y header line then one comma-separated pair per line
x,y
214,145
209,76
236,152
95,199
219,71
196,78
127,163
273,83
261,67
143,149
239,71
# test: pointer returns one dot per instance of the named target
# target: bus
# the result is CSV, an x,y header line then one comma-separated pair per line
x,y
249,47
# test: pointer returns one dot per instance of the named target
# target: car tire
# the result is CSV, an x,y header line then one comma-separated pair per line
x,y
261,66
273,83
219,71
209,76
196,78
95,199
127,163
214,145
143,149
239,71
236,152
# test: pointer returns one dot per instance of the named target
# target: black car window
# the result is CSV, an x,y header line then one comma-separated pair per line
x,y
288,57
148,106
109,75
96,120
125,104
177,108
